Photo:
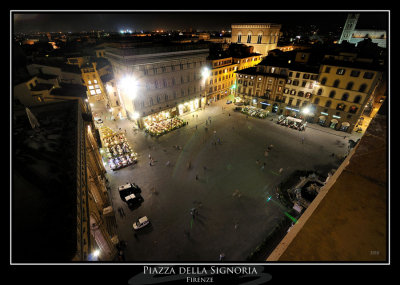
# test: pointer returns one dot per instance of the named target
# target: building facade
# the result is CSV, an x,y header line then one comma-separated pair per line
x,y
262,36
354,36
344,87
158,82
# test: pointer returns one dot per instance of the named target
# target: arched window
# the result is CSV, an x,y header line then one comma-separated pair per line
x,y
316,101
328,103
345,97
332,94
320,91
249,38
357,99
349,85
323,81
336,83
259,38
239,38
363,87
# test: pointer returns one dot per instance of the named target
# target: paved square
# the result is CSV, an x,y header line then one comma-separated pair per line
x,y
225,222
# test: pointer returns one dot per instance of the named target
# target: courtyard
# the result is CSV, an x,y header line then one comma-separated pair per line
x,y
226,182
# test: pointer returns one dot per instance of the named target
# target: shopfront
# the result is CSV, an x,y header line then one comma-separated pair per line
x,y
275,108
322,120
188,107
162,122
333,124
345,126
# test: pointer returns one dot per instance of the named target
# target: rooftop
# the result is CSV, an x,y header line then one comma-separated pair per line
x,y
351,222
44,184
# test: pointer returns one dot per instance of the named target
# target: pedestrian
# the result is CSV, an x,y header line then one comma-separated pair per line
x,y
150,163
196,127
221,256
257,161
149,156
280,170
167,164
229,114
266,153
263,166
236,226
197,177
344,137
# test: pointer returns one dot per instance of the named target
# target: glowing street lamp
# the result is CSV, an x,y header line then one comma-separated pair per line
x,y
129,85
205,72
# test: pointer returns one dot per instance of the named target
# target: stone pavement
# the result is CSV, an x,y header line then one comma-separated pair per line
x,y
230,193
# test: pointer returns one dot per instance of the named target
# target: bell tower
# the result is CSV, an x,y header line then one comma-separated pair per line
x,y
349,27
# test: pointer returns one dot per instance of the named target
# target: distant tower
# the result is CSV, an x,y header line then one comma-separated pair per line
x,y
349,27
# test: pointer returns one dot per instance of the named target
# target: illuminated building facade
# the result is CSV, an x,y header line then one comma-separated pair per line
x,y
354,36
262,36
155,82
345,85
92,81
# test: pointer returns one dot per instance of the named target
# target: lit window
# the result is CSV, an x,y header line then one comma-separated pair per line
x,y
91,87
95,81
92,92
96,86
98,91
89,82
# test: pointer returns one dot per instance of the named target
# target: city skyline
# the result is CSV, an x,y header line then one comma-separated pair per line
x,y
149,20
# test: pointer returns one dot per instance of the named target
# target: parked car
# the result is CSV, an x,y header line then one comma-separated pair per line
x,y
128,192
98,121
229,102
142,222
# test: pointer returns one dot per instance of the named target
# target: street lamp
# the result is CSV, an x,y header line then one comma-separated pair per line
x,y
129,85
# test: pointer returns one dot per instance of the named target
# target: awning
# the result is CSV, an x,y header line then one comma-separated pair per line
x,y
293,119
322,118
334,121
345,124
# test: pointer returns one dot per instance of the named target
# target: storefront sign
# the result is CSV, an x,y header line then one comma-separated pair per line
x,y
292,109
336,116
326,114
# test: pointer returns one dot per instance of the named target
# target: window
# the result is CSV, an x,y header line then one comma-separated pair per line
x,y
353,109
239,38
345,97
340,71
297,75
323,81
95,81
301,94
89,82
286,90
248,39
328,103
336,83
293,92
259,39
98,91
306,76
319,92
332,94
368,75
303,83
349,85
316,101
362,88
295,83
290,74
92,92
308,95
340,107
355,73
357,99
91,87
327,69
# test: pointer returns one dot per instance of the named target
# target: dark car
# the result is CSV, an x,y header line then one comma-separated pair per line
x,y
129,192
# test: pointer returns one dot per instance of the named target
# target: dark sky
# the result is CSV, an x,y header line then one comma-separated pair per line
x,y
198,20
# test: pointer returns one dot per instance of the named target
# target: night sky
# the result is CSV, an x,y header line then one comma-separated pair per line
x,y
175,20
